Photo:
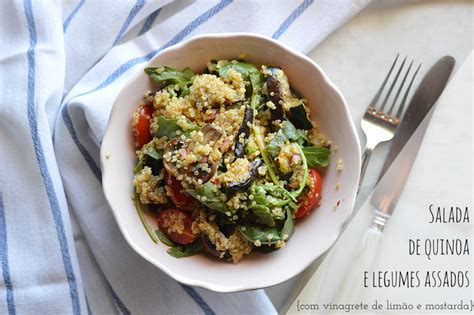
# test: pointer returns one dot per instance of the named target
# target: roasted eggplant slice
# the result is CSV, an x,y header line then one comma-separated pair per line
x,y
275,94
210,249
202,170
243,185
299,118
243,133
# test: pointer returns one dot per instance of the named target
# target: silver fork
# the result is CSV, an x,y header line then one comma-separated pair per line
x,y
379,125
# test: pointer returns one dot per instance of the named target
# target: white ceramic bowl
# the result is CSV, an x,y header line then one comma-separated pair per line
x,y
313,235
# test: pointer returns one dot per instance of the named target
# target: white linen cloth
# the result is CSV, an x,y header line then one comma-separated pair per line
x,y
61,67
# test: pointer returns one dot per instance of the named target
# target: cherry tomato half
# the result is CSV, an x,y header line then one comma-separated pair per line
x,y
311,200
142,129
178,196
176,224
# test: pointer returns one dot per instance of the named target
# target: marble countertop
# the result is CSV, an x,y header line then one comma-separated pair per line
x,y
357,56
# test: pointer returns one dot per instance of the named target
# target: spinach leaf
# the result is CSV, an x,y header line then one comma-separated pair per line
x,y
276,143
263,214
138,168
288,227
141,215
169,128
264,198
260,141
296,193
296,135
154,154
186,250
249,73
316,156
288,132
266,235
209,195
167,75
163,238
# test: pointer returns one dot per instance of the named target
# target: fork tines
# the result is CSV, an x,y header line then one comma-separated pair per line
x,y
378,109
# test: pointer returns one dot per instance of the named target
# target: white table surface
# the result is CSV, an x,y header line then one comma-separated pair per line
x,y
357,56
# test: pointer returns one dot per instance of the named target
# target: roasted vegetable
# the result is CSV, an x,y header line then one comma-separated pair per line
x,y
203,169
210,248
299,117
247,182
243,133
274,94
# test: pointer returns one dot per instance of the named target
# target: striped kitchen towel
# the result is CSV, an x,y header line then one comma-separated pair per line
x,y
61,66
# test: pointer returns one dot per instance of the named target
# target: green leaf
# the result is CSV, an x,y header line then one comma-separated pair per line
x,y
259,140
249,73
263,214
288,132
154,153
296,135
316,156
167,75
212,197
169,128
163,238
138,206
264,198
266,235
289,226
296,193
186,250
138,168
276,143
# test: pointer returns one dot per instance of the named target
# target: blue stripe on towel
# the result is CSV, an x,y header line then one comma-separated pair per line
x,y
291,18
87,156
47,180
149,22
198,299
136,8
71,16
4,260
127,66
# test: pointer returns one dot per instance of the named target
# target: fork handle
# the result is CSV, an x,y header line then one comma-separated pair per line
x,y
365,161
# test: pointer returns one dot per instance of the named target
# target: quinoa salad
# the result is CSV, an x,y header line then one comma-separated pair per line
x,y
227,160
